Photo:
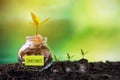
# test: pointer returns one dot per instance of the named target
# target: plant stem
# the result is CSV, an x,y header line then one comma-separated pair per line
x,y
36,30
83,56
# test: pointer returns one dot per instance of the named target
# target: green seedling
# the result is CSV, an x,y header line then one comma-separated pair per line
x,y
69,57
83,53
55,58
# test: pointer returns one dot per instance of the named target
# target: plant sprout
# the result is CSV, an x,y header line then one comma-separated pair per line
x,y
83,53
69,57
37,22
56,58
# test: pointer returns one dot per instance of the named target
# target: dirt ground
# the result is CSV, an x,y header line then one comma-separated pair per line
x,y
64,70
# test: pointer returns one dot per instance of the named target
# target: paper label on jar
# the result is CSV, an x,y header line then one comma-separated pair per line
x,y
34,60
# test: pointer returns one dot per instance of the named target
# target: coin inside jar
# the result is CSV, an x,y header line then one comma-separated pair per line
x,y
35,45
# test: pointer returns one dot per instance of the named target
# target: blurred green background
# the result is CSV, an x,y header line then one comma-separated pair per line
x,y
91,25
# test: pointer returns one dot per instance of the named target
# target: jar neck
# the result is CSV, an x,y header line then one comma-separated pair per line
x,y
35,39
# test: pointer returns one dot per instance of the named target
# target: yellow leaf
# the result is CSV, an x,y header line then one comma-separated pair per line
x,y
35,19
44,21
32,23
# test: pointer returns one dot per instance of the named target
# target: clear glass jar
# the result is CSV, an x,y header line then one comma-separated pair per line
x,y
35,45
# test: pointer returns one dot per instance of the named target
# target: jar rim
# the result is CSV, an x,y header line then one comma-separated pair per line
x,y
38,37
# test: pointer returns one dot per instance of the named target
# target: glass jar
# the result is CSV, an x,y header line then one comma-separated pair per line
x,y
35,46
